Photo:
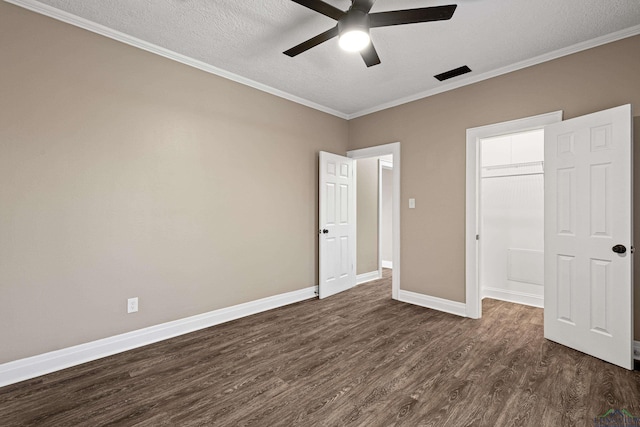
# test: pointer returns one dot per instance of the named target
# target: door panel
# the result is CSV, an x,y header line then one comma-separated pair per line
x,y
565,281
566,201
330,204
337,224
600,300
601,212
588,210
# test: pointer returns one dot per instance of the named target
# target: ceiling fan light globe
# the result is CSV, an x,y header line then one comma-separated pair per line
x,y
354,40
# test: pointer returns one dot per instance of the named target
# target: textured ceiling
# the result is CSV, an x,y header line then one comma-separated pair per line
x,y
247,38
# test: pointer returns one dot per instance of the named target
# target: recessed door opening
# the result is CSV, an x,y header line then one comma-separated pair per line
x,y
511,217
378,213
494,172
385,209
374,178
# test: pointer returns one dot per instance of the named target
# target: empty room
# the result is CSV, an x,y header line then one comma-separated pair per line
x,y
319,213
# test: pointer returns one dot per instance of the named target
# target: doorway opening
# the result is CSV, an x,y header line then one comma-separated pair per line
x,y
374,184
381,162
588,226
508,263
511,218
385,213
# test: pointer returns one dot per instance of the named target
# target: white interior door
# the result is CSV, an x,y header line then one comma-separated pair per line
x,y
588,297
337,218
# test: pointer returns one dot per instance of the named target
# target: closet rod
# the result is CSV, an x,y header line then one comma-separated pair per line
x,y
514,174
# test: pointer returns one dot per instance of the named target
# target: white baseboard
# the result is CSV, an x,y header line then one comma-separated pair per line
x,y
636,350
514,296
440,304
31,367
387,264
367,277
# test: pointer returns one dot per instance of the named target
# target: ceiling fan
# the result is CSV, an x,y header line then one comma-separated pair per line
x,y
354,24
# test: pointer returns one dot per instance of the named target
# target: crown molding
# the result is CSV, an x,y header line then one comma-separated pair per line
x,y
102,30
88,25
598,41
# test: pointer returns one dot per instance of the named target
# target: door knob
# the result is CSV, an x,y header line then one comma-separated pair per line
x,y
325,231
619,249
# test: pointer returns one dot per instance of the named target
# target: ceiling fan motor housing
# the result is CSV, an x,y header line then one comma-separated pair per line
x,y
354,20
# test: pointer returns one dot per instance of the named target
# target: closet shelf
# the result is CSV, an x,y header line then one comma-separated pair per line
x,y
514,165
513,169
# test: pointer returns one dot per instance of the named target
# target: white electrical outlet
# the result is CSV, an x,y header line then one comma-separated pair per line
x,y
132,305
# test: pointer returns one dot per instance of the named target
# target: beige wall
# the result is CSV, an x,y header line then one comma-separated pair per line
x,y
432,135
125,174
367,213
386,222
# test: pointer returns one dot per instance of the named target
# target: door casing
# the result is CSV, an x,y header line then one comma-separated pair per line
x,y
473,304
383,150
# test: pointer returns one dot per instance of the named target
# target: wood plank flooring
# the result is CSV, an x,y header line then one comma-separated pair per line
x,y
358,359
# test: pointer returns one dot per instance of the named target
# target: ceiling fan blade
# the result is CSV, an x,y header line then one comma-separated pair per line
x,y
314,41
363,5
321,7
370,55
412,16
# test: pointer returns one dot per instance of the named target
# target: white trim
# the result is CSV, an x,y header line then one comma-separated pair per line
x,y
367,277
31,367
102,30
383,150
523,298
387,264
578,47
380,216
636,350
88,25
474,135
435,303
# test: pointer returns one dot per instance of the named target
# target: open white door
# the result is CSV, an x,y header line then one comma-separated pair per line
x,y
337,218
588,296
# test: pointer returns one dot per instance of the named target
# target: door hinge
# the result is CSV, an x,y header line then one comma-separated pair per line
x,y
477,237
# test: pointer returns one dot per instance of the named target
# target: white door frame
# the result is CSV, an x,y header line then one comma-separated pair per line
x,y
474,135
382,164
383,150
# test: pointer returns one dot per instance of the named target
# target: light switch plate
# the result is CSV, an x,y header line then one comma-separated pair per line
x,y
132,305
412,203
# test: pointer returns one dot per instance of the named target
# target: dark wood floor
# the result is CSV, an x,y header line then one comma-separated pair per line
x,y
358,358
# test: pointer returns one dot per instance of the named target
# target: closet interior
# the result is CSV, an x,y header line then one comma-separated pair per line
x,y
511,220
